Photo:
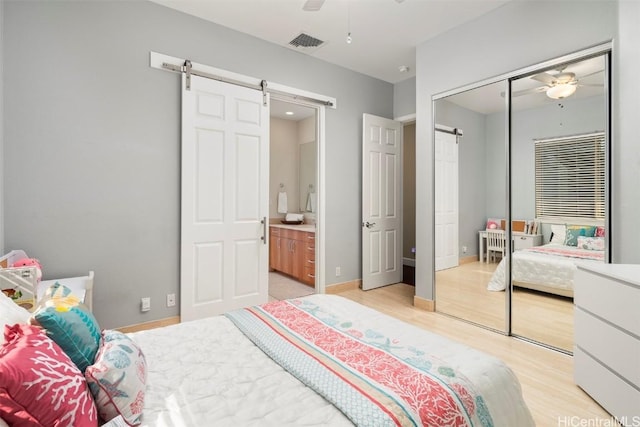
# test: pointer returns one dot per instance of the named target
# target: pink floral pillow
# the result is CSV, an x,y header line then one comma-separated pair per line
x,y
39,384
591,243
599,231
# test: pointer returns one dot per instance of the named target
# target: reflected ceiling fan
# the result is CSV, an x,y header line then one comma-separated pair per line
x,y
557,86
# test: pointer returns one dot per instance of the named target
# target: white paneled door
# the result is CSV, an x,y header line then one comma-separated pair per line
x,y
381,202
225,179
446,200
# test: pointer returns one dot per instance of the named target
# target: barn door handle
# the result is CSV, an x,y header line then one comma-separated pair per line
x,y
264,229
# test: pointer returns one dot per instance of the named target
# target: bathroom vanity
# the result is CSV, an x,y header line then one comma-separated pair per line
x,y
292,251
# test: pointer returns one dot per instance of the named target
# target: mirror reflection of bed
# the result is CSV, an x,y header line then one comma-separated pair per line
x,y
557,153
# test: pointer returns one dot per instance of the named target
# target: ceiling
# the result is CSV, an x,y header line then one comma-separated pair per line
x,y
384,33
289,111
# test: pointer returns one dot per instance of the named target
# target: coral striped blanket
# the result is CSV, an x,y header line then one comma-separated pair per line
x,y
375,380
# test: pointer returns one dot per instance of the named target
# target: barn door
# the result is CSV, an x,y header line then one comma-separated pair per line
x,y
225,179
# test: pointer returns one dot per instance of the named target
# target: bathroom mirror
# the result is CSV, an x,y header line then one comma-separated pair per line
x,y
470,197
559,119
307,176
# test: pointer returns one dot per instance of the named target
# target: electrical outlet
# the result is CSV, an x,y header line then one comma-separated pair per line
x,y
171,300
145,304
338,272
464,249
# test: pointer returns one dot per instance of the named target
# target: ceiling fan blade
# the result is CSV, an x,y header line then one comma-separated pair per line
x,y
591,74
590,85
312,5
545,78
538,89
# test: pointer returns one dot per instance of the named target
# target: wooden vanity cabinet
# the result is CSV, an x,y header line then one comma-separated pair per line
x,y
293,252
309,259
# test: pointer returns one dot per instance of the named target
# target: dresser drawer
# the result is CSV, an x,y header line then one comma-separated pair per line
x,y
613,347
610,391
608,298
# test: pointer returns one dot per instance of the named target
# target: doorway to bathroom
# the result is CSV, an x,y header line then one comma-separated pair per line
x,y
293,198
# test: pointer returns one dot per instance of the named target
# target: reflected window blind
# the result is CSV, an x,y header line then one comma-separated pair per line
x,y
570,176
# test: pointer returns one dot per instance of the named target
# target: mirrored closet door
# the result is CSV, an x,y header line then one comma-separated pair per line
x,y
559,187
470,198
521,195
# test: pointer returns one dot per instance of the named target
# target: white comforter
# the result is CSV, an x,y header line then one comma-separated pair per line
x,y
205,373
553,271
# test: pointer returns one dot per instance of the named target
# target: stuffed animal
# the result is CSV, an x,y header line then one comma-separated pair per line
x,y
30,262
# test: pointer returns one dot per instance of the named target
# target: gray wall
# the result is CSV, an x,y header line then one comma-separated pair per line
x,y
472,164
92,137
404,98
496,161
511,38
409,190
626,150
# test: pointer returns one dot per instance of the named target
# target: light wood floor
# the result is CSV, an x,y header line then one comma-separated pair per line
x,y
546,375
462,292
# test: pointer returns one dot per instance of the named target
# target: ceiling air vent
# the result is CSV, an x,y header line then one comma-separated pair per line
x,y
306,41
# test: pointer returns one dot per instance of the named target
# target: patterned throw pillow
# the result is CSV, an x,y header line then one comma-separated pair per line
x,y
591,243
39,384
69,323
573,231
117,378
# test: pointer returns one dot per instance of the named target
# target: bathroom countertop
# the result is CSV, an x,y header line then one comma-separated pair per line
x,y
300,227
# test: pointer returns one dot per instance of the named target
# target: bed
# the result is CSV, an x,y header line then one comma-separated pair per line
x,y
314,361
548,268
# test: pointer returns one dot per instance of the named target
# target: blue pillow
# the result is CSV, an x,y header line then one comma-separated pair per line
x,y
70,324
574,231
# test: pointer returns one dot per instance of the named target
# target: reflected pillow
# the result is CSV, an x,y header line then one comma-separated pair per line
x,y
575,231
599,231
558,233
591,243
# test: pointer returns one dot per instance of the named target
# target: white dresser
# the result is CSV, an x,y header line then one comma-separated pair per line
x,y
607,337
524,241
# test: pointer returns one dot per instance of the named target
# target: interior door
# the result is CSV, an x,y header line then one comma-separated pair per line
x,y
381,202
225,179
446,200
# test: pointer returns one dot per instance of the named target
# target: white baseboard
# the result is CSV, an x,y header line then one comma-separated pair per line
x,y
409,261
